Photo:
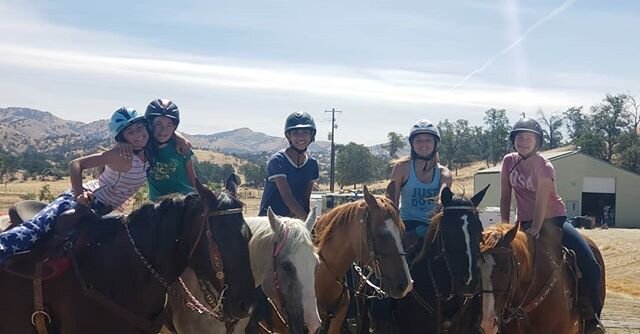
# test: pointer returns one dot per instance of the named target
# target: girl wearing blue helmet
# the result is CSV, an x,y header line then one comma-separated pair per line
x,y
119,180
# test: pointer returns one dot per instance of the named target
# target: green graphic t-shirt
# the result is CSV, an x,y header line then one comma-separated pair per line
x,y
168,174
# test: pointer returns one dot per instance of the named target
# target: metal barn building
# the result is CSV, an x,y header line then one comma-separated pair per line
x,y
588,186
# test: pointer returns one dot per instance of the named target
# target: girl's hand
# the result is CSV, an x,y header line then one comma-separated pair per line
x,y
85,198
533,232
125,150
183,146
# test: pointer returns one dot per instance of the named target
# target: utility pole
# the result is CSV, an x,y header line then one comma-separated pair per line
x,y
333,112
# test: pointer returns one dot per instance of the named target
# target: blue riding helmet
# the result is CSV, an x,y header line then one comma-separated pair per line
x,y
121,119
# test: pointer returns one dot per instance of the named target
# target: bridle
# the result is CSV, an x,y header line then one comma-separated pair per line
x,y
510,290
438,241
373,267
190,301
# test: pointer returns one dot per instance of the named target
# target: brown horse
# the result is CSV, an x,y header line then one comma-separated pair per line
x,y
368,232
530,286
446,295
122,267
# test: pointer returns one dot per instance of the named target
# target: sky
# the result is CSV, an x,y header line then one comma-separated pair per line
x,y
384,64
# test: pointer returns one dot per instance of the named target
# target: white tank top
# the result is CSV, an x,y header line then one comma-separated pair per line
x,y
114,188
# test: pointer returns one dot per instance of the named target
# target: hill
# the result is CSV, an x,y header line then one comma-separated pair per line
x,y
21,128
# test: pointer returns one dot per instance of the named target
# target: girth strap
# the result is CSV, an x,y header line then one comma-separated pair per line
x,y
39,318
115,308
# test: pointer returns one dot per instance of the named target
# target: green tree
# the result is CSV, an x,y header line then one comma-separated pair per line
x,y
354,164
552,134
44,194
498,129
254,174
396,143
611,118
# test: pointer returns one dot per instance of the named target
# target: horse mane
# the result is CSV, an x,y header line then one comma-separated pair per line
x,y
519,246
102,229
329,222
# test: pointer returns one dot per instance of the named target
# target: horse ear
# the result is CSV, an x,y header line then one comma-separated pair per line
x,y
391,190
511,234
369,198
232,183
311,219
274,221
445,196
207,196
477,198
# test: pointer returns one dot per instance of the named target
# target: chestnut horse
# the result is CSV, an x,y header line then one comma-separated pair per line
x,y
446,295
529,286
367,232
122,267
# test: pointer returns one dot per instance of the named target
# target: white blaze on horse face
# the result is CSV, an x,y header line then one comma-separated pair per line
x,y
489,319
467,241
391,226
306,261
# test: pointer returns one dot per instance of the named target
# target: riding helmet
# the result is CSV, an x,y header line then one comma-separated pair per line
x,y
163,107
526,125
300,120
121,119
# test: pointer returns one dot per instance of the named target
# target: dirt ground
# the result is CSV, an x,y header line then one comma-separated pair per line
x,y
621,251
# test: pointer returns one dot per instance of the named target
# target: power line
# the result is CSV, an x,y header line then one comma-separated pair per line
x,y
333,112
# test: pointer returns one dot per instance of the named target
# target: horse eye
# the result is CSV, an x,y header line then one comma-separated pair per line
x,y
287,267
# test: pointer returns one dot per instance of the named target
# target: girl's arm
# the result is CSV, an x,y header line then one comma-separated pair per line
x,y
398,174
183,146
543,188
77,166
287,197
505,194
307,195
446,179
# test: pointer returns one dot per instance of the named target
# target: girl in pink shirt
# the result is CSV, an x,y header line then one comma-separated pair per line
x,y
532,178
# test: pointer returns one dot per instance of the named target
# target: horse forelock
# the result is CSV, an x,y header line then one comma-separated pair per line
x,y
228,201
519,246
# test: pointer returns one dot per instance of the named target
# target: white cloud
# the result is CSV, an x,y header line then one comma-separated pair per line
x,y
80,74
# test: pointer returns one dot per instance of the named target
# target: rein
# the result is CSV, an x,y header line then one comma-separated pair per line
x,y
156,324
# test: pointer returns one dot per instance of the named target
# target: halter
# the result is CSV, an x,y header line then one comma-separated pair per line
x,y
511,287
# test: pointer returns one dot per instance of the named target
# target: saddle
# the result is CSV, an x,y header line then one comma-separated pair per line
x,y
51,249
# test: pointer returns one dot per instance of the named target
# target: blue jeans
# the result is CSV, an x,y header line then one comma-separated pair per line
x,y
587,261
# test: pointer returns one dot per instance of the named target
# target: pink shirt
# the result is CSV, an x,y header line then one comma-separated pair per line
x,y
524,181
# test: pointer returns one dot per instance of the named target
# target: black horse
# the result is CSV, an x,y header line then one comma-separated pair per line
x,y
447,284
121,268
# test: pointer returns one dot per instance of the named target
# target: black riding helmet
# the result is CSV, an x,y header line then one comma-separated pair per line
x,y
162,107
300,120
527,125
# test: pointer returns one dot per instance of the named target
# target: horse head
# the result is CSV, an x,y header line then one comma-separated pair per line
x,y
382,232
293,262
457,238
499,271
221,252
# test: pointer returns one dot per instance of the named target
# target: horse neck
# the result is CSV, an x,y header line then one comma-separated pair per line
x,y
156,242
344,246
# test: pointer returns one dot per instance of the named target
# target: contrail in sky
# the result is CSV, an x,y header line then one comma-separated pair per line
x,y
515,43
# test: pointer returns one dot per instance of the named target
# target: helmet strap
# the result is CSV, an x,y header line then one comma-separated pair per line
x,y
136,152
